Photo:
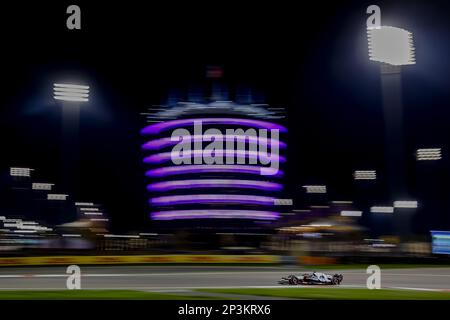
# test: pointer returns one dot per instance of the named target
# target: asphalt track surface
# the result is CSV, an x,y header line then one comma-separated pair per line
x,y
182,278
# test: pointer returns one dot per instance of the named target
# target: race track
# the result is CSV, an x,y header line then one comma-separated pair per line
x,y
173,278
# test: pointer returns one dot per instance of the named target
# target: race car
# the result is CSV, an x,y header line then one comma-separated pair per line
x,y
312,279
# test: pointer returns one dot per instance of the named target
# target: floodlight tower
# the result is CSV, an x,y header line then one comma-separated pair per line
x,y
393,48
71,96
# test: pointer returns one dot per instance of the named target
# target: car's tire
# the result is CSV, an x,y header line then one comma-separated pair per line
x,y
335,281
294,281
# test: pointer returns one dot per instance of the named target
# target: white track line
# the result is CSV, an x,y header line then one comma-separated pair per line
x,y
180,289
194,274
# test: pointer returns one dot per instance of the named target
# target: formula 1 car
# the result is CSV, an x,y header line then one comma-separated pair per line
x,y
312,278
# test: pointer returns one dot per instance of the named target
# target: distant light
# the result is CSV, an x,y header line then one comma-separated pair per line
x,y
9,225
319,207
71,235
365,175
405,204
54,196
317,225
30,222
42,186
70,92
99,219
147,234
93,213
24,231
20,172
84,204
429,154
283,202
391,45
88,209
384,245
342,202
120,236
315,189
382,209
301,210
351,213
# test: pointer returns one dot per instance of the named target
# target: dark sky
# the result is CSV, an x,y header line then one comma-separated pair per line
x,y
309,58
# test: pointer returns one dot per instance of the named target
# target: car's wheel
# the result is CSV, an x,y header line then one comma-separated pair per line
x,y
335,281
295,281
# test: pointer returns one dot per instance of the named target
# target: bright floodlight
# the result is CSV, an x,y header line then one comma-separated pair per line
x,y
84,204
429,154
365,175
315,189
391,45
351,213
70,92
405,204
20,172
382,209
59,197
41,186
283,202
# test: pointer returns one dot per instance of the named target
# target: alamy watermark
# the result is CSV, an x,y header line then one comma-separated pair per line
x,y
374,280
222,149
73,281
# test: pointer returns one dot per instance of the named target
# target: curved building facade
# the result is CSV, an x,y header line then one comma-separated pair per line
x,y
218,160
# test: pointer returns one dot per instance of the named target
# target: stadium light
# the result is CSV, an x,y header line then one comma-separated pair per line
x,y
391,45
42,186
20,172
283,202
70,92
429,154
405,204
71,96
393,48
121,236
95,213
54,196
365,175
315,189
351,213
342,202
382,209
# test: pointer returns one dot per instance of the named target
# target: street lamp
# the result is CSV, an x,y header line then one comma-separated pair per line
x,y
71,96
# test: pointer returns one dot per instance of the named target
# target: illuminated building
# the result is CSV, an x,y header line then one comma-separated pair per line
x,y
194,189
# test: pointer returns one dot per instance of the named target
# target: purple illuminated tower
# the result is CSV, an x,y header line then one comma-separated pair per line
x,y
223,191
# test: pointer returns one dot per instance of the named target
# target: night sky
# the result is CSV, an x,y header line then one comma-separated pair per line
x,y
312,60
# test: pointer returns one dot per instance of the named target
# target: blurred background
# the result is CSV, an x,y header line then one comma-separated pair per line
x,y
363,148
